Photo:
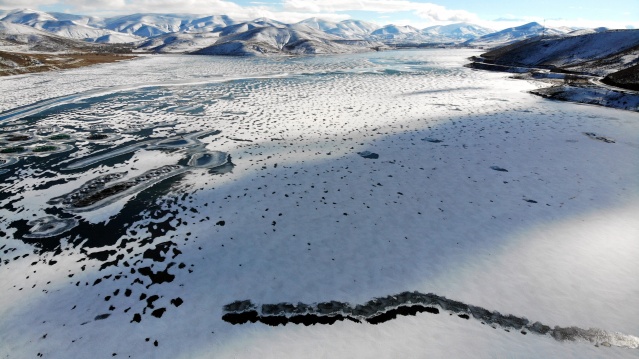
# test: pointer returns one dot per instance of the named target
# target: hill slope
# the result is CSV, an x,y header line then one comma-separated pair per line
x,y
294,39
514,34
597,53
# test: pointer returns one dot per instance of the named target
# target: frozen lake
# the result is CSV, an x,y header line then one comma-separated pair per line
x,y
139,199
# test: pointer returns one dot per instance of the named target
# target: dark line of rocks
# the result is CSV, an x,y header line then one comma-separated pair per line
x,y
380,310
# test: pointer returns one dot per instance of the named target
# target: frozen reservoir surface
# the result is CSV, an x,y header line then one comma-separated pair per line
x,y
390,204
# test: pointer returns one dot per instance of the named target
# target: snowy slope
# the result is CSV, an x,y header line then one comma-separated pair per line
x,y
149,25
396,33
207,24
455,32
354,29
145,25
94,21
347,29
597,52
319,24
179,42
249,25
293,39
27,17
587,31
515,34
17,37
73,30
69,26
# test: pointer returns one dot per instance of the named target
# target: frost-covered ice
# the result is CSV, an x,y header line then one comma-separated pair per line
x,y
480,192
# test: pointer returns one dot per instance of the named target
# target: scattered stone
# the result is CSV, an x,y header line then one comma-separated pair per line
x,y
102,316
368,155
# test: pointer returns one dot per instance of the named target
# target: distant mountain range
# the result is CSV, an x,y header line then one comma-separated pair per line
x,y
219,34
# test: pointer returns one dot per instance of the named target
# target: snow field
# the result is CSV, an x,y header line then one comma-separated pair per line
x,y
303,218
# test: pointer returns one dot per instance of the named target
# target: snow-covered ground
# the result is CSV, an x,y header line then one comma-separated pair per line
x,y
481,192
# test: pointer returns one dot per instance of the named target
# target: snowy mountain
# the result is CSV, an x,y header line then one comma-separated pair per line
x,y
189,33
145,25
293,39
396,33
514,34
597,53
149,25
587,31
23,38
179,42
455,32
69,26
27,17
250,25
80,19
347,29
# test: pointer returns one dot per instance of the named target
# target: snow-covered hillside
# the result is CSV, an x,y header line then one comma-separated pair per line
x,y
597,52
22,38
347,29
250,25
455,32
69,26
514,34
179,42
293,39
396,33
149,25
155,32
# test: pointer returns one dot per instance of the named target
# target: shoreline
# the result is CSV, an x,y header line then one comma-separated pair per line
x,y
567,86
28,63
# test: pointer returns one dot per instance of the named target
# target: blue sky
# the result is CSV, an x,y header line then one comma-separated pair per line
x,y
491,13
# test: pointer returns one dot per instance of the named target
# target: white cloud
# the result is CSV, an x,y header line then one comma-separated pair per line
x,y
427,11
13,4
208,7
505,22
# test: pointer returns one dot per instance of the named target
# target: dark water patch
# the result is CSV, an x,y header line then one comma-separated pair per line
x,y
225,168
158,253
97,136
239,139
50,184
87,189
17,138
158,312
150,300
384,309
241,318
60,137
403,311
13,150
45,148
158,277
594,136
97,193
101,255
432,140
103,194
